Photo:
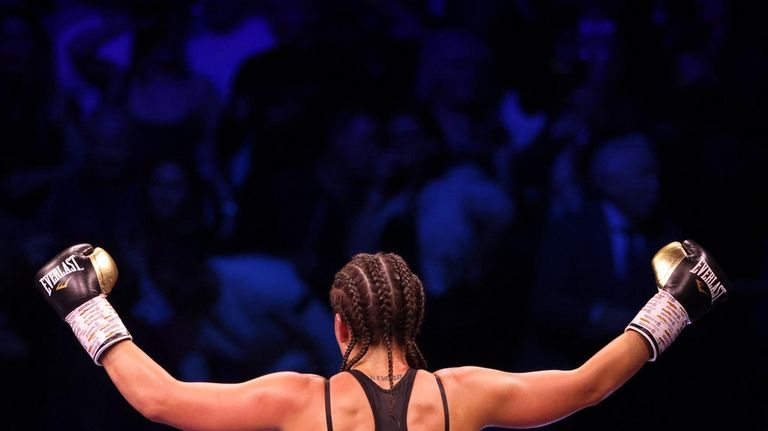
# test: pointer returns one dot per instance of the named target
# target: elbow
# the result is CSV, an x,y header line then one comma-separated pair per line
x,y
153,404
150,410
594,394
152,413
592,391
593,398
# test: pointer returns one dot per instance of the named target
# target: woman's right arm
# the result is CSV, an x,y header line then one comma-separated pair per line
x,y
76,283
266,402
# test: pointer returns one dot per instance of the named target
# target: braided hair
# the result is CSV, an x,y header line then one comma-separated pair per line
x,y
382,302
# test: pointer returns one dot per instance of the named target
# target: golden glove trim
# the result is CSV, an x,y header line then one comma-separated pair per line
x,y
106,269
666,260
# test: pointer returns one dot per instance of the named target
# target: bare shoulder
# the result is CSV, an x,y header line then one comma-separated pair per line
x,y
473,394
286,387
461,381
291,379
478,383
465,374
285,396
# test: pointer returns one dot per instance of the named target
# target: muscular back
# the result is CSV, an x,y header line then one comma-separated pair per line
x,y
351,410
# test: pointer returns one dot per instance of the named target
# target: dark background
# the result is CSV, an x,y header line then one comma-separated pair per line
x,y
458,134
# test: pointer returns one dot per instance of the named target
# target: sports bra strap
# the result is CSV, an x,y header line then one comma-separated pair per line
x,y
328,421
445,402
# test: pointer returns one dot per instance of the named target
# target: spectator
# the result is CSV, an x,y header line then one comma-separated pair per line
x,y
462,222
105,185
457,98
35,120
265,302
223,34
168,249
622,224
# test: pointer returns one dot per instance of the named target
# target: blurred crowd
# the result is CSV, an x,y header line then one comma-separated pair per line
x,y
527,158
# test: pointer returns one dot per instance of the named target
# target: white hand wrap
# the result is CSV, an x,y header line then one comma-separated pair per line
x,y
660,321
97,326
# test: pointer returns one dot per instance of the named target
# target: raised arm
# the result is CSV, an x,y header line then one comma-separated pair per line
x,y
689,284
267,402
76,283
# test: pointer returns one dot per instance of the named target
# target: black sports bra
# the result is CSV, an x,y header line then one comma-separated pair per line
x,y
380,399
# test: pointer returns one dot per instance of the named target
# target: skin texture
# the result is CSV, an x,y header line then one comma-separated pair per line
x,y
477,397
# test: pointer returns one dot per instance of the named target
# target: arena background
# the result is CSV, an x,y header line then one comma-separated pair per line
x,y
232,155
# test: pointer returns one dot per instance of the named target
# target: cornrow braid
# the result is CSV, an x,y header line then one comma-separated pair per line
x,y
361,324
342,280
384,291
353,315
413,294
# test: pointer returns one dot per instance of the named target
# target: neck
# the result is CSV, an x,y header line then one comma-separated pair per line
x,y
375,362
385,379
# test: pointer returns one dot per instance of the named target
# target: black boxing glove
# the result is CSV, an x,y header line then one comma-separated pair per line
x,y
76,283
690,284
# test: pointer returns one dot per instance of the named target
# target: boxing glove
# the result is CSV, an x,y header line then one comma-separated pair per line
x,y
690,283
76,283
